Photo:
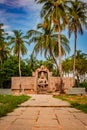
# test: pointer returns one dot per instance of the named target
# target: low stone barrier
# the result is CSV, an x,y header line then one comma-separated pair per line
x,y
76,91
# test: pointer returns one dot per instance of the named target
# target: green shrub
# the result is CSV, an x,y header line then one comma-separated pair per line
x,y
84,85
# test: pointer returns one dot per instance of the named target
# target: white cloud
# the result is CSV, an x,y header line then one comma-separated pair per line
x,y
6,27
85,1
2,16
2,1
18,20
9,32
29,4
11,2
26,4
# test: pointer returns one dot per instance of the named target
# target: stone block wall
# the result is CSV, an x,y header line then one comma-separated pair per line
x,y
28,85
23,85
54,83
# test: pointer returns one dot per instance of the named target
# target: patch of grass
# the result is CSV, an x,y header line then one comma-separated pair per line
x,y
9,102
78,102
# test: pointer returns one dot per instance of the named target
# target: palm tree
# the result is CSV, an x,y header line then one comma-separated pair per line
x,y
4,52
4,49
77,13
46,40
49,63
56,10
32,62
17,41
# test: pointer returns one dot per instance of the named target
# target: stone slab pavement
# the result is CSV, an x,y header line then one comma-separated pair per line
x,y
43,100
42,115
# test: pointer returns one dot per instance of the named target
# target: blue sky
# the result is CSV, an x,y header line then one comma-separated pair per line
x,y
24,15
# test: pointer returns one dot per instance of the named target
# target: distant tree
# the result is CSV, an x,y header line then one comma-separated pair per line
x,y
40,63
32,62
18,45
81,63
4,49
10,69
67,66
49,63
77,14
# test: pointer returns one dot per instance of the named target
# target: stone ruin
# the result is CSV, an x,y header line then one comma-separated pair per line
x,y
41,82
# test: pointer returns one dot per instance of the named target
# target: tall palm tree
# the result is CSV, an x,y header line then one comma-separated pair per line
x,y
4,52
4,49
46,40
56,10
77,13
18,45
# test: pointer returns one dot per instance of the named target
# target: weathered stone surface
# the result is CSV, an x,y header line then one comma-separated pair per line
x,y
76,91
44,118
48,101
41,81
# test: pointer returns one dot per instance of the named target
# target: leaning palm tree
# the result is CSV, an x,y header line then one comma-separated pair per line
x,y
18,45
77,13
46,40
56,10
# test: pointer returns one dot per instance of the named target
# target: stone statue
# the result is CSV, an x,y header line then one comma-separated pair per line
x,y
42,81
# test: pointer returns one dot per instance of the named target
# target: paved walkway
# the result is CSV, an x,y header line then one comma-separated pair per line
x,y
42,112
44,101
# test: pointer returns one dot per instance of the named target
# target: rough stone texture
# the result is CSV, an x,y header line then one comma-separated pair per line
x,y
44,118
28,85
44,101
76,91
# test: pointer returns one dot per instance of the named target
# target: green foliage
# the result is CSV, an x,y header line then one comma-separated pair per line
x,y
81,62
83,85
67,65
55,72
82,107
10,69
49,63
17,43
32,63
4,49
46,41
8,103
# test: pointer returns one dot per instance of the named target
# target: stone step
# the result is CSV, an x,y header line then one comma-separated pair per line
x,y
76,91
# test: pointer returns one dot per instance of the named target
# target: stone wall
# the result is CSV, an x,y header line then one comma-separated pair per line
x,y
27,85
23,85
54,83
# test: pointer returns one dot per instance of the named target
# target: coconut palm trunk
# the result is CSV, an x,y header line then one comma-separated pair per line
x,y
74,62
60,58
19,65
51,53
